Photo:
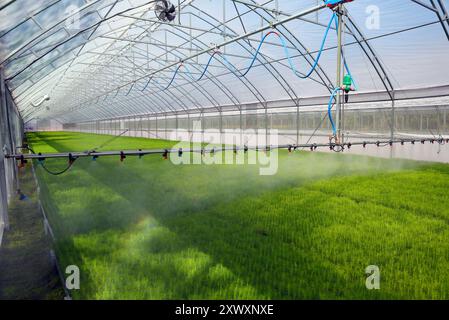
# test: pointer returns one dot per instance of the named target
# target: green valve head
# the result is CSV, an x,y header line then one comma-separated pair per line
x,y
347,80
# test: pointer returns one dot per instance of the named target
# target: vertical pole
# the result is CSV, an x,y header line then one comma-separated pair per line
x,y
4,220
444,119
342,100
176,126
241,128
266,126
188,126
393,124
157,133
393,117
202,127
165,135
179,12
224,24
338,84
221,126
166,46
297,125
276,5
140,132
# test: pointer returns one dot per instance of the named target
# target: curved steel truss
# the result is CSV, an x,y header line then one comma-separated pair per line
x,y
95,58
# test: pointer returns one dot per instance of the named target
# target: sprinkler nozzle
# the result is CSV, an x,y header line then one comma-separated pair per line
x,y
71,158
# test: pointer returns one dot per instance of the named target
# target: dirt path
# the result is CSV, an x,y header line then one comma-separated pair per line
x,y
26,269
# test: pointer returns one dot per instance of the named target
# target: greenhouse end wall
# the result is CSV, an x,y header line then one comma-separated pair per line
x,y
291,126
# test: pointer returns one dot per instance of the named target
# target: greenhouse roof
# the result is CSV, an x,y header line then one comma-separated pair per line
x,y
98,59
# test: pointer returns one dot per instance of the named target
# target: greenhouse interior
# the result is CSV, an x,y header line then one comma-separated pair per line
x,y
224,150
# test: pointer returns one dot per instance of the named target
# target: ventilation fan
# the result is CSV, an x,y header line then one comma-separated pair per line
x,y
165,10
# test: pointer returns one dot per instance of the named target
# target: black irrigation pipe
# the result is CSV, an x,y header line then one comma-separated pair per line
x,y
23,161
72,156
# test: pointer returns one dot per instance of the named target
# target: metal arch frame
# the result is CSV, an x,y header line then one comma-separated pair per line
x,y
225,43
373,57
393,33
56,58
224,88
110,44
184,93
287,90
44,31
213,27
205,93
57,69
191,101
363,40
267,66
125,48
432,7
80,32
221,86
83,46
229,94
308,54
217,84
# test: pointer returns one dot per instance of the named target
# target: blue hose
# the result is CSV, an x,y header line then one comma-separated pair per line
x,y
287,54
129,91
148,82
235,70
329,109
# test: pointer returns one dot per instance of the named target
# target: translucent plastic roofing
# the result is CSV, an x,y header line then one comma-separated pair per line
x,y
109,58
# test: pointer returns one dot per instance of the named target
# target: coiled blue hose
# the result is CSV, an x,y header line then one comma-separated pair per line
x,y
236,71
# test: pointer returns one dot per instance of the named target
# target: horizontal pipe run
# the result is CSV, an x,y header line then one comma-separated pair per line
x,y
20,156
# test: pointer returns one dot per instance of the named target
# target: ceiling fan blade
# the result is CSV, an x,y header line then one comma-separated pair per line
x,y
159,8
172,9
171,16
162,16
